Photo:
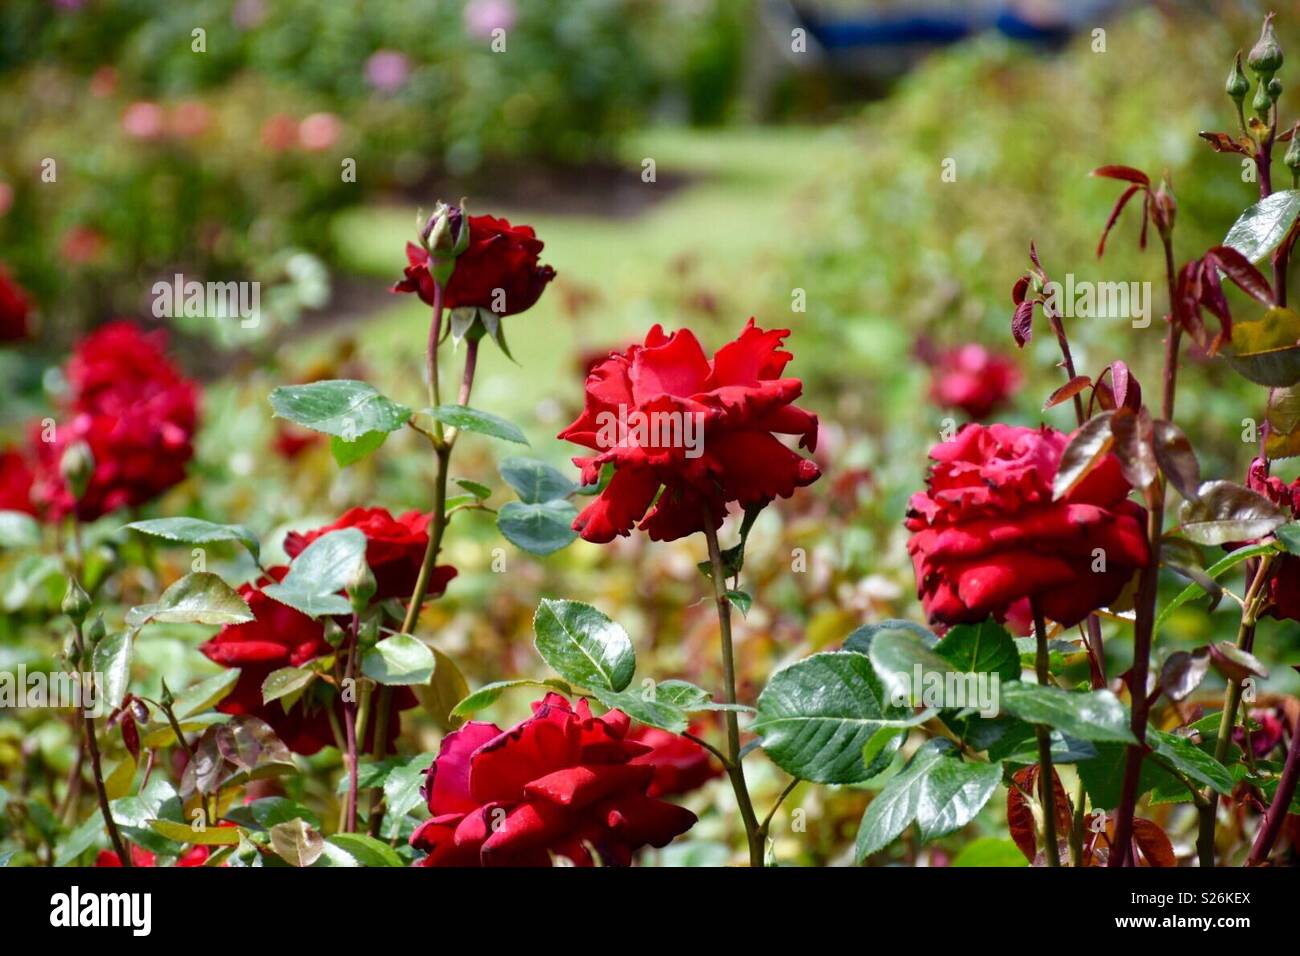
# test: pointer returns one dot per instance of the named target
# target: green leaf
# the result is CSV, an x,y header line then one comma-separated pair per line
x,y
952,793
80,840
347,452
318,573
442,693
1096,715
683,695
1288,535
1193,591
990,851
1190,760
205,694
296,843
366,850
654,713
286,682
816,716
1259,230
488,694
402,788
268,811
895,655
535,481
185,833
398,660
583,645
981,648
160,734
541,529
741,601
474,420
342,407
860,639
475,488
200,597
18,530
198,531
894,808
112,659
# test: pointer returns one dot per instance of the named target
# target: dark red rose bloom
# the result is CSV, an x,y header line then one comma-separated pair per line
x,y
1284,572
290,441
394,549
194,856
1268,736
13,309
986,533
16,479
680,765
280,636
499,256
137,413
559,782
732,404
973,379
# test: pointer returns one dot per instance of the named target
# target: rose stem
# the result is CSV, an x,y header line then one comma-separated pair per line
x,y
1281,804
1046,776
735,770
1251,605
1144,626
350,723
96,768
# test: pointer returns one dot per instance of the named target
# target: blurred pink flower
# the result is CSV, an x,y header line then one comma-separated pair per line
x,y
484,16
248,13
81,245
319,131
189,119
387,70
144,120
6,198
280,132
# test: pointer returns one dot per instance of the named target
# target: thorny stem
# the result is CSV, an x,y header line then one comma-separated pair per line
x,y
754,832
92,747
1252,604
350,725
1046,776
1280,806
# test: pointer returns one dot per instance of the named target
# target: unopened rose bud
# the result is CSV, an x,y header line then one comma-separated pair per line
x,y
1164,208
1265,56
96,632
1292,157
1262,103
76,602
362,587
165,699
1237,86
77,466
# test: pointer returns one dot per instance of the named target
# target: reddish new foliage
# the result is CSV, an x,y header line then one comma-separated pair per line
x,y
135,411
986,532
500,257
734,402
973,379
394,549
560,782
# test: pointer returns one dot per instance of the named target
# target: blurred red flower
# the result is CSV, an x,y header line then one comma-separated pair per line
x,y
14,309
986,532
498,272
559,782
16,479
394,549
137,413
194,856
1284,573
973,379
733,403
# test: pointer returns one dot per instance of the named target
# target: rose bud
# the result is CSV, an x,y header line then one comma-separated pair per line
x,y
1265,57
1237,85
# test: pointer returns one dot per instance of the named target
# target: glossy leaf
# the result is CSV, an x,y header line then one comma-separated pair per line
x,y
319,572
1096,715
540,528
200,597
343,407
583,645
1090,444
198,531
1260,229
535,481
398,661
475,420
1224,512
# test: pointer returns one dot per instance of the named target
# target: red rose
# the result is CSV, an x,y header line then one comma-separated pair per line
x,y
16,479
13,309
680,765
732,404
194,856
1284,572
987,533
499,256
137,413
394,550
558,782
280,636
973,379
